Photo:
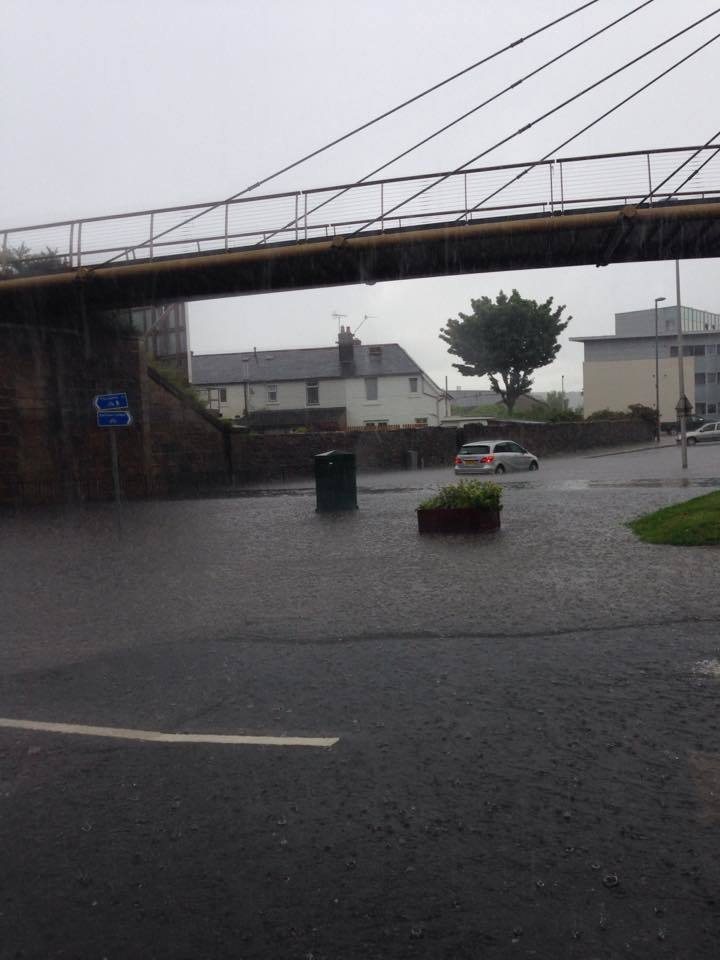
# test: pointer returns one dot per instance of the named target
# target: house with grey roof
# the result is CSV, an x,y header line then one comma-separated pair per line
x,y
346,386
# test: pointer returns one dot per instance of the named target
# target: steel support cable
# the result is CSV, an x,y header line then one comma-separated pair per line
x,y
544,116
697,169
464,116
364,126
677,170
597,120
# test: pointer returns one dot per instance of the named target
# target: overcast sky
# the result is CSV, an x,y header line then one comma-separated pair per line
x,y
120,105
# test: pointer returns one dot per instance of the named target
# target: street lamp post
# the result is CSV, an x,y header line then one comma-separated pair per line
x,y
683,406
657,373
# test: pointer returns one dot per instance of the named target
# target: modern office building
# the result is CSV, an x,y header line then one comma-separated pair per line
x,y
619,369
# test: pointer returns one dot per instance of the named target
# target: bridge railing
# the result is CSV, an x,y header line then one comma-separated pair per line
x,y
550,187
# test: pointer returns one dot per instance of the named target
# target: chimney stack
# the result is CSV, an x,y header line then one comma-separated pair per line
x,y
346,351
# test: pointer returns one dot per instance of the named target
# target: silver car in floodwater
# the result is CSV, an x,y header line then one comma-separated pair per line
x,y
708,432
493,456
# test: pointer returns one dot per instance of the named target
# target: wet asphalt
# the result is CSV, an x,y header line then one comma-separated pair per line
x,y
528,760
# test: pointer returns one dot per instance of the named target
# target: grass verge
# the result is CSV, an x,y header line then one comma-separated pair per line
x,y
694,523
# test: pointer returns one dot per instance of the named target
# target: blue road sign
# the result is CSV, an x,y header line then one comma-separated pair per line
x,y
116,418
111,401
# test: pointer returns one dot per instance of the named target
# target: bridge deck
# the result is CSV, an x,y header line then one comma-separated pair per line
x,y
597,236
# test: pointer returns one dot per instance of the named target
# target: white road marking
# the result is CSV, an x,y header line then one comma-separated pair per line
x,y
155,736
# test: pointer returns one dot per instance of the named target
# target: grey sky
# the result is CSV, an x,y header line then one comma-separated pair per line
x,y
112,106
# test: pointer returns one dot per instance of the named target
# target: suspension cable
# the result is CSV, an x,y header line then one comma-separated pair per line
x,y
544,116
677,170
594,122
356,130
464,116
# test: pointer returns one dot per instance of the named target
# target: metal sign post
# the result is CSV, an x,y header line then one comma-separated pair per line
x,y
112,412
115,468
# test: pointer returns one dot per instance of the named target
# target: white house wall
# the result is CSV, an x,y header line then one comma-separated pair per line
x,y
396,403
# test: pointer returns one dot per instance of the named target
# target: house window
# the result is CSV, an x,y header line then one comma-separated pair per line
x,y
371,388
378,424
312,393
223,394
413,384
699,379
272,393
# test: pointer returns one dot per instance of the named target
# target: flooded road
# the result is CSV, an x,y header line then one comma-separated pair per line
x,y
300,735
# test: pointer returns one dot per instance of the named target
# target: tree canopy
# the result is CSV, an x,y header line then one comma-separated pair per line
x,y
506,340
21,262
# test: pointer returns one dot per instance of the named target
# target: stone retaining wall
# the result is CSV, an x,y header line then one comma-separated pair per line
x,y
281,456
51,449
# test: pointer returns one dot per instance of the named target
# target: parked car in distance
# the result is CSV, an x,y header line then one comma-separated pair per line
x,y
493,456
691,423
708,431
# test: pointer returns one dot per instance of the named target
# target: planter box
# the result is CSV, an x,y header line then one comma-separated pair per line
x,y
458,520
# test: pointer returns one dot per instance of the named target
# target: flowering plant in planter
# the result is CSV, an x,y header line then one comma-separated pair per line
x,y
469,506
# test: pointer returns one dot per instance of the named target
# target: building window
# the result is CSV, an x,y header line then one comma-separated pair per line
x,y
712,408
312,393
688,351
215,396
413,384
421,421
371,388
378,424
272,393
699,408
699,379
710,348
711,378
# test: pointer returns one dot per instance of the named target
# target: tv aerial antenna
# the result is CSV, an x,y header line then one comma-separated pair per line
x,y
366,316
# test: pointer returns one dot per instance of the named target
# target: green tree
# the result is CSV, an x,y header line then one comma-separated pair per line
x,y
21,262
506,341
556,401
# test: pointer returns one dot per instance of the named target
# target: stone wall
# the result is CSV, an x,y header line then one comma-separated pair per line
x,y
189,449
546,439
281,456
51,449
